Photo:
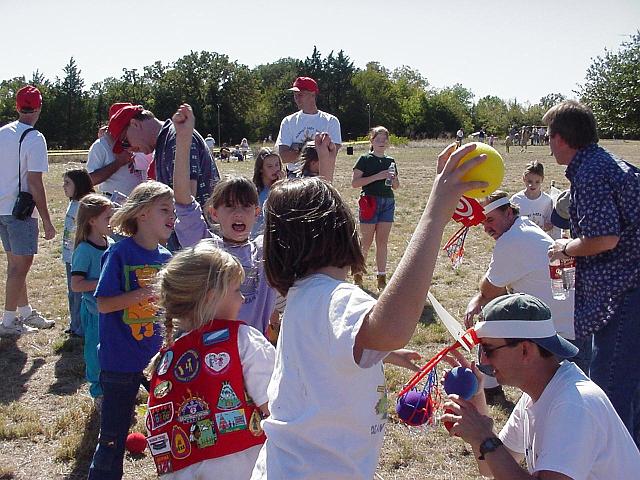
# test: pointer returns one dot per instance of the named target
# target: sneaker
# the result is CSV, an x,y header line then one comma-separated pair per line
x,y
382,282
36,320
18,328
357,279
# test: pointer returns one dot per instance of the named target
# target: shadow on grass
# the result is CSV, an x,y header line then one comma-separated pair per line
x,y
427,317
69,369
87,445
12,362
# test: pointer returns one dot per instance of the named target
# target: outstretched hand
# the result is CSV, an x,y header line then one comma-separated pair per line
x,y
184,121
327,153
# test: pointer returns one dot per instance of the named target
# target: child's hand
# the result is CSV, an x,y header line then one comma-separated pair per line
x,y
184,121
327,153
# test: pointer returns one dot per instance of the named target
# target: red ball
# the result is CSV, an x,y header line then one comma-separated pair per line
x,y
136,443
448,425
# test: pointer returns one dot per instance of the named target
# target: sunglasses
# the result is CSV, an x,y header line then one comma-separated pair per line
x,y
490,351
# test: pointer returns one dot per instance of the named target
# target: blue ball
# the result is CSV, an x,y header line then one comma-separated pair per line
x,y
461,381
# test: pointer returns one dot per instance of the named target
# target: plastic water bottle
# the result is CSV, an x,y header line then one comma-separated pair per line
x,y
391,173
557,284
569,274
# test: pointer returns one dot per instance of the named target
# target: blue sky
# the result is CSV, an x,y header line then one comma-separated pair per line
x,y
511,49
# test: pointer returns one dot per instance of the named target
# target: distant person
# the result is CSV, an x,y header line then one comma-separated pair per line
x,y
301,127
532,201
211,143
492,139
372,175
244,147
266,171
563,427
76,184
23,157
459,137
482,135
508,143
112,172
605,229
525,135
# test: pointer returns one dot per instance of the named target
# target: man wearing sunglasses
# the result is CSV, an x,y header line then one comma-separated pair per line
x,y
563,426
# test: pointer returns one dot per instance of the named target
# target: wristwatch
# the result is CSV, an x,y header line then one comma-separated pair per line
x,y
489,445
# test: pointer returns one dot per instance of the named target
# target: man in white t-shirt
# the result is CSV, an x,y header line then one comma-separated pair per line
x,y
23,160
519,263
563,426
211,143
300,127
112,172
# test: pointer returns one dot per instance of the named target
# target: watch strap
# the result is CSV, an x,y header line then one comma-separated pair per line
x,y
489,445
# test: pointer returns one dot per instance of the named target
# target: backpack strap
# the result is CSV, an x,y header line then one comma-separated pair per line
x,y
24,134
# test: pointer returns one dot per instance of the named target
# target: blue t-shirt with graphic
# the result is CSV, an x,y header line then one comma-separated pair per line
x,y
129,338
87,263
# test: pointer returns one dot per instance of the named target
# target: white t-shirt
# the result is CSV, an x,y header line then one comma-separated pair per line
x,y
33,158
125,179
210,141
538,210
257,356
520,263
299,128
327,412
572,429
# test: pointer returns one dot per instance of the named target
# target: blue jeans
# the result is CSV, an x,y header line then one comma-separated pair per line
x,y
119,390
75,298
615,361
91,328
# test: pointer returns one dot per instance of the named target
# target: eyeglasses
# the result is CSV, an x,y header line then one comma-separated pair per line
x,y
490,351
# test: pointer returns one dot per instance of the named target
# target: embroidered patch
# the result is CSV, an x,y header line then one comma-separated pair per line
x,y
203,433
163,463
215,337
165,363
228,400
231,421
159,444
180,445
193,409
217,362
160,415
187,366
254,424
162,389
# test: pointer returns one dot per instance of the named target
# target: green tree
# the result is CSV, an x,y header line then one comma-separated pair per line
x,y
376,89
491,112
612,90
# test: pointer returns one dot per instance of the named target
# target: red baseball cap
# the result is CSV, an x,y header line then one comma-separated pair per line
x,y
28,99
119,122
117,106
305,83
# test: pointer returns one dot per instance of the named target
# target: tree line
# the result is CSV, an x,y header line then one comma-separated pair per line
x,y
237,101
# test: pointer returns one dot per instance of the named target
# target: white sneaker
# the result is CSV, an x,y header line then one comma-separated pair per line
x,y
36,320
18,328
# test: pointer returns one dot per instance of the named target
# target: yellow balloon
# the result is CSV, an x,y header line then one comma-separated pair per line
x,y
490,171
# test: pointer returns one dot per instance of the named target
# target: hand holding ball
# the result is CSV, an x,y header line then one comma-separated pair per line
x,y
461,381
490,171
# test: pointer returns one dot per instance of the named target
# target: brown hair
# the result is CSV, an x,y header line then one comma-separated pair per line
x,y
91,206
125,219
263,154
233,190
534,167
498,194
307,227
308,154
375,131
574,122
81,182
210,268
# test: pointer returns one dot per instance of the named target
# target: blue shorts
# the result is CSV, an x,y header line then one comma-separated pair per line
x,y
385,209
20,237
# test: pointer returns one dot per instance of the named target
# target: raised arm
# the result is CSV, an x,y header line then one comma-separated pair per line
x,y
391,322
184,123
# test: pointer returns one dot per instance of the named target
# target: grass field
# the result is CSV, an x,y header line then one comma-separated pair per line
x,y
48,428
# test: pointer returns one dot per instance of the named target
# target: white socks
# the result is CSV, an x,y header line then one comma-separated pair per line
x,y
25,310
8,318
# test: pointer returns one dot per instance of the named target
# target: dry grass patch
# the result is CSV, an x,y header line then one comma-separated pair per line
x,y
19,421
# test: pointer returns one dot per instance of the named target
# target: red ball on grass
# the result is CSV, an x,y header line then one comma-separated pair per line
x,y
136,443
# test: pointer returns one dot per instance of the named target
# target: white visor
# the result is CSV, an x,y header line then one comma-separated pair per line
x,y
496,203
516,329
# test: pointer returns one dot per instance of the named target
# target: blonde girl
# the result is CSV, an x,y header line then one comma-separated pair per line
x,y
233,358
129,332
370,173
91,241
